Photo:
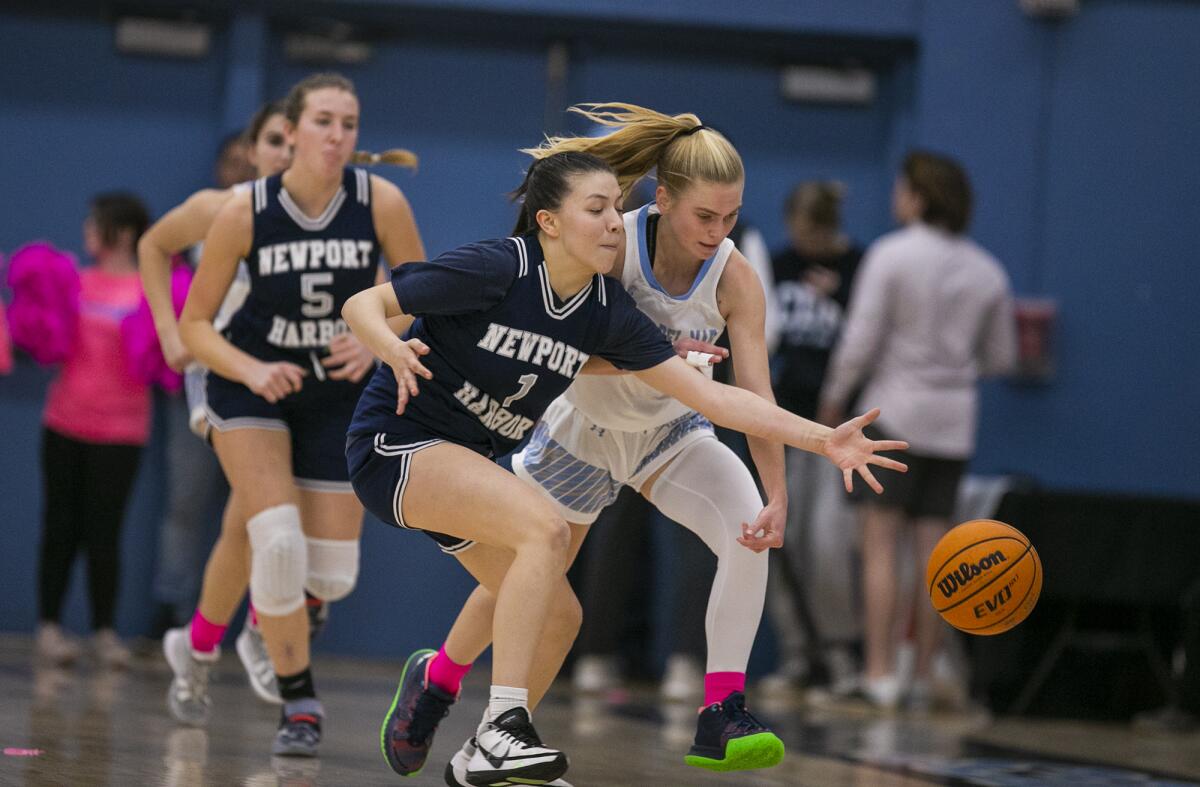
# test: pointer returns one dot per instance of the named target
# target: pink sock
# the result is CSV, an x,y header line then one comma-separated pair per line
x,y
719,685
445,673
205,634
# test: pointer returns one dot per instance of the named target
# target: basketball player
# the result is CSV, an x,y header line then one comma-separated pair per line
x,y
683,272
179,229
504,327
311,238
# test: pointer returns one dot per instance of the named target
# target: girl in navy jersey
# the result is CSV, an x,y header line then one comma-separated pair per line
x,y
495,332
311,238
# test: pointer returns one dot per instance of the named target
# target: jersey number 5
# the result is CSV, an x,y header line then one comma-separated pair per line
x,y
527,382
317,303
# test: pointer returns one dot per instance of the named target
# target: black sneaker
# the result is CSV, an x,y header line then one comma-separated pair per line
x,y
729,738
318,614
417,709
509,751
299,731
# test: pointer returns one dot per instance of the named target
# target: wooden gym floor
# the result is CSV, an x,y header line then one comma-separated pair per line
x,y
88,727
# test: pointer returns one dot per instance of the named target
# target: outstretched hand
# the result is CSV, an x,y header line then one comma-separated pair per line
x,y
852,451
407,367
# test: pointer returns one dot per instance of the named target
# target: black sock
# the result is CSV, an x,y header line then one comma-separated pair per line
x,y
297,687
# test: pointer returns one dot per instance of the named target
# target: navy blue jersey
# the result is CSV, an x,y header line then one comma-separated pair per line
x,y
502,344
303,270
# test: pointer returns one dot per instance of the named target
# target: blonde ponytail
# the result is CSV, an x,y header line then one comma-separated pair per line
x,y
680,146
396,156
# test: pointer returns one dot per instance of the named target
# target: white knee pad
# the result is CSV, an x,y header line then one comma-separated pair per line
x,y
332,567
279,560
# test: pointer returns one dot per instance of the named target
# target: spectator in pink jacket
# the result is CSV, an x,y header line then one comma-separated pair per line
x,y
97,419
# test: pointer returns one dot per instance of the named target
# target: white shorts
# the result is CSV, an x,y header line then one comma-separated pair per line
x,y
581,466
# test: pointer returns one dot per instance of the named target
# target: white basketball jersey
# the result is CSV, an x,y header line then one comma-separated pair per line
x,y
625,403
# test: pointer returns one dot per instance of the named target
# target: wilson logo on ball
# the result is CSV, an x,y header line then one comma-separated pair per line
x,y
958,578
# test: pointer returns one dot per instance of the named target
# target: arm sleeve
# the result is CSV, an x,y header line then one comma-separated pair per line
x,y
468,279
631,341
863,333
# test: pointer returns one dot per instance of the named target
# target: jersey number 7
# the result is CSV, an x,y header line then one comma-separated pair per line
x,y
527,382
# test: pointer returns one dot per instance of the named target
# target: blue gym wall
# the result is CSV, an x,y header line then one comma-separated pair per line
x,y
1078,137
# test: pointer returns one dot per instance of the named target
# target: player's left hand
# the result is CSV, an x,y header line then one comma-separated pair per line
x,y
767,530
348,359
683,345
852,451
406,365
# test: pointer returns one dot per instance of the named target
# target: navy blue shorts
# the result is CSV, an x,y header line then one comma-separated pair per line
x,y
316,417
378,465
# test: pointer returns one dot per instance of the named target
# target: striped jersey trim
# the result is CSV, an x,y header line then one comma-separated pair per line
x,y
260,195
304,222
363,179
522,256
568,308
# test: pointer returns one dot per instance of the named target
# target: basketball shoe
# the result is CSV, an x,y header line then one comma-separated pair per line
x,y
299,731
253,653
729,738
187,696
456,770
508,750
417,709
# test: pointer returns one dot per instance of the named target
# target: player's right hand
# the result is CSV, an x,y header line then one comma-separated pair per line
x,y
406,365
273,381
174,352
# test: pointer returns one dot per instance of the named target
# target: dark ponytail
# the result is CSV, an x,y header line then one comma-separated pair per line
x,y
547,182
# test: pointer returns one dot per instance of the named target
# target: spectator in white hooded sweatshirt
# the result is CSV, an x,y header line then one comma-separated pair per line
x,y
930,314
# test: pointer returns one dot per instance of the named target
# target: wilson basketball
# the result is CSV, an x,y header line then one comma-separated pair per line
x,y
984,577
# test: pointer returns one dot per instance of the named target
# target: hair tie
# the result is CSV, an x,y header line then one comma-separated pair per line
x,y
687,132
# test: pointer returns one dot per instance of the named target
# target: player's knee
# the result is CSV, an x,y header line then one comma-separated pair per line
x,y
332,567
550,531
279,560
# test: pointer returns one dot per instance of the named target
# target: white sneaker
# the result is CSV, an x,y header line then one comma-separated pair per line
x,y
456,770
843,671
509,750
110,650
187,696
596,674
683,679
884,693
253,653
54,646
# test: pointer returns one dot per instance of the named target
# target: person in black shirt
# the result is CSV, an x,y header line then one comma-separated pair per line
x,y
810,595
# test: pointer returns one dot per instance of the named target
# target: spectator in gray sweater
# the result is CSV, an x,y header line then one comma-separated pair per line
x,y
930,314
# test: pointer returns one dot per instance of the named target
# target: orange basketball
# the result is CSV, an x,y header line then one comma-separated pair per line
x,y
984,577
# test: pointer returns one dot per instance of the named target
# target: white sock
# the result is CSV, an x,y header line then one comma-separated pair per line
x,y
505,698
